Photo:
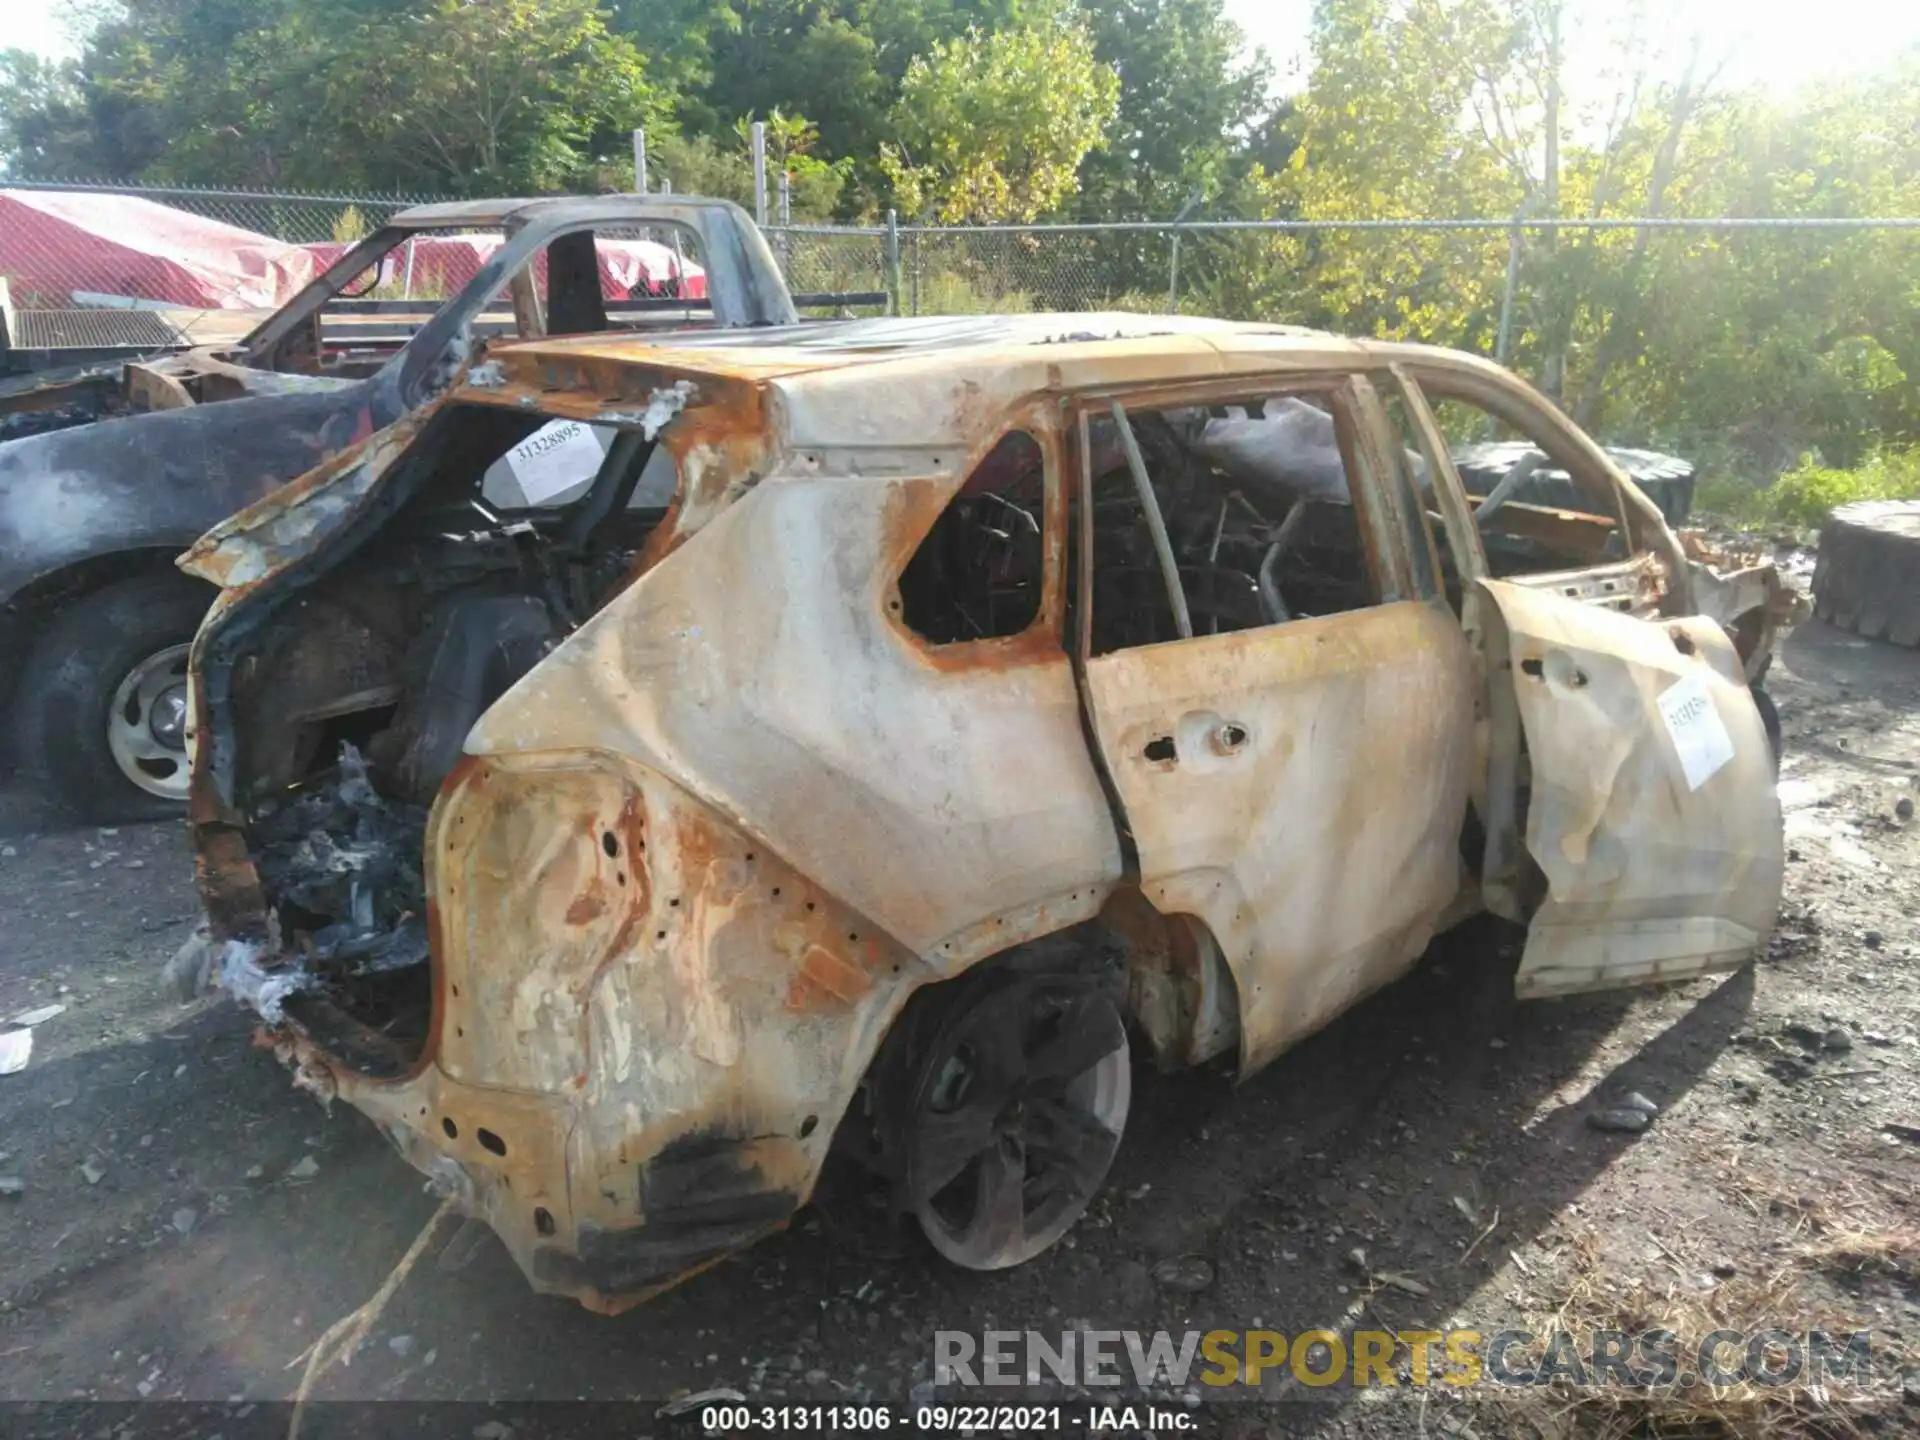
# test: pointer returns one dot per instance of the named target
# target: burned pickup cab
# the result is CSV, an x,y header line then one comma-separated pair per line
x,y
95,621
961,707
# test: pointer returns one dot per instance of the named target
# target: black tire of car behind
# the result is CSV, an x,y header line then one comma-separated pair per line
x,y
1867,576
121,648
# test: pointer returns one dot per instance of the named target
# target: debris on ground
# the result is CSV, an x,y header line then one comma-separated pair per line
x,y
1621,1119
16,1047
687,1404
1188,1274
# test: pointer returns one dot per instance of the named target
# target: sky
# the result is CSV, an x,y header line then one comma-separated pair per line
x,y
1776,44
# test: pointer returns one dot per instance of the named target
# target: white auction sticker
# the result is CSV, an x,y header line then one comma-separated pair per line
x,y
1698,733
555,458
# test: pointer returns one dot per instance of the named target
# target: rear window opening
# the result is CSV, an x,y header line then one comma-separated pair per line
x,y
350,701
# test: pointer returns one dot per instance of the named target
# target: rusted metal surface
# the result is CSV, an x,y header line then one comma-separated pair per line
x,y
695,860
1658,833
1311,808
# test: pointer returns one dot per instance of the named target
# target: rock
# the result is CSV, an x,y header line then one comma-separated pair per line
x,y
1357,1258
12,1187
256,1172
815,1377
493,1430
1726,1269
401,1345
1634,1100
306,1169
1188,1274
1836,1039
93,1173
1903,808
1621,1119
1873,939
185,1219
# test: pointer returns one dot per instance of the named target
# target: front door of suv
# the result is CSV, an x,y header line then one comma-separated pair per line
x,y
1624,746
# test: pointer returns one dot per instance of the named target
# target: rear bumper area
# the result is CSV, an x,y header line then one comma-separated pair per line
x,y
674,1213
644,1028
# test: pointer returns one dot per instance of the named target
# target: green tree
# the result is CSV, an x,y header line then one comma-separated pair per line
x,y
462,95
1189,104
994,126
46,128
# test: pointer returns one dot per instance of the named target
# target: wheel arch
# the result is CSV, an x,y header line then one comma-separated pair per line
x,y
89,573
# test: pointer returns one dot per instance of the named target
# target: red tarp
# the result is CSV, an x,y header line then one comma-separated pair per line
x,y
54,242
437,266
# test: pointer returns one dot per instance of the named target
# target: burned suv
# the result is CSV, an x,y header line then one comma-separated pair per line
x,y
972,696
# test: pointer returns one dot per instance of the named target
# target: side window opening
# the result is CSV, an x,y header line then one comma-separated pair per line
x,y
1435,558
1257,503
980,572
1533,517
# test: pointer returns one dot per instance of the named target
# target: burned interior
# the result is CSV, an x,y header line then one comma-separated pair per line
x,y
350,697
1256,496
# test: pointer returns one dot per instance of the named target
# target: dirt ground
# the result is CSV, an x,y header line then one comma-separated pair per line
x,y
188,1223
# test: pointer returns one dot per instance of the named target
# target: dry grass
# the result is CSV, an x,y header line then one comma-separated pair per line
x,y
1828,1235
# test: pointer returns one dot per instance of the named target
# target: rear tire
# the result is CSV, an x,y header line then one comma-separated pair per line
x,y
99,713
1019,1096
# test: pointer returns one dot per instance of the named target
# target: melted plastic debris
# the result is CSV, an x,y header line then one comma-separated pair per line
x,y
264,991
342,865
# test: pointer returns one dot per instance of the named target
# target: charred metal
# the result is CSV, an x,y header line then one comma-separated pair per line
x,y
885,715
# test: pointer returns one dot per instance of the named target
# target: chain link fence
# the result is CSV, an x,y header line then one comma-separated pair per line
x,y
1774,336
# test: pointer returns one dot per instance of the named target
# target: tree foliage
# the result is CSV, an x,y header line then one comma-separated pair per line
x,y
993,126
1752,345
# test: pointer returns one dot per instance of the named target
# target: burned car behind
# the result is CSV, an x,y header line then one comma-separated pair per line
x,y
972,703
107,475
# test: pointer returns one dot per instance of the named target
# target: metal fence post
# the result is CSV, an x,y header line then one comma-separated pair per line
x,y
916,271
640,162
1503,339
1173,276
893,261
759,145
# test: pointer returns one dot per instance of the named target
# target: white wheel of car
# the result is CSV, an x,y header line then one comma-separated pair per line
x,y
147,724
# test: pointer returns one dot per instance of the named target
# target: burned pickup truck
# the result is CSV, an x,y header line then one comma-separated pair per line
x,y
123,467
972,702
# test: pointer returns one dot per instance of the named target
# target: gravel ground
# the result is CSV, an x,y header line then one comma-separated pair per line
x,y
187,1223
